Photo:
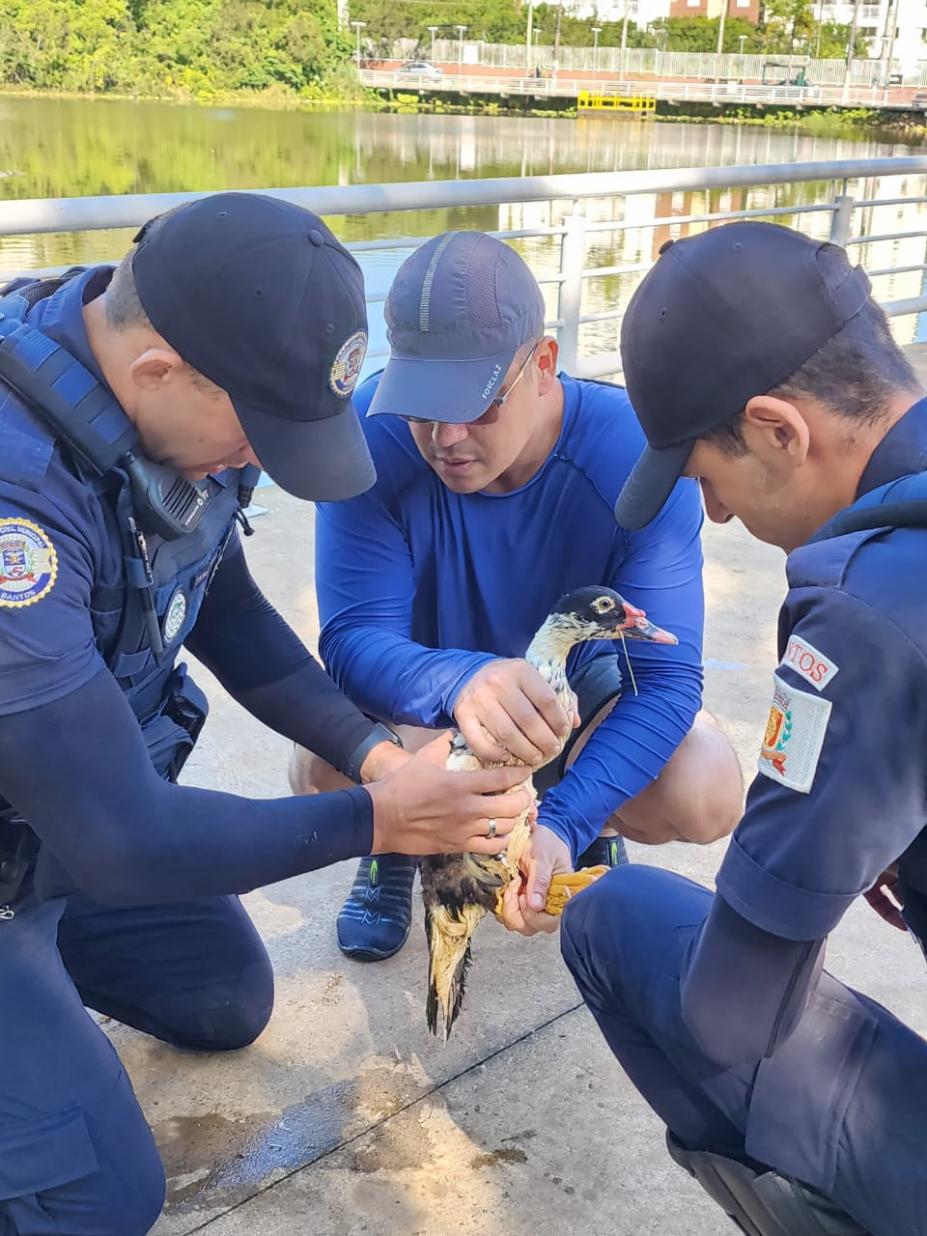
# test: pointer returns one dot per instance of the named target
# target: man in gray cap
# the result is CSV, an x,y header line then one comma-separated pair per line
x,y
497,480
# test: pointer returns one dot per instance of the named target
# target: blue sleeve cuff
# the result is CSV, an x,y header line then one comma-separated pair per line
x,y
470,663
774,905
356,841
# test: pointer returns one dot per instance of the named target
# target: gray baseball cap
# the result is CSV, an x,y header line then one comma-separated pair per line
x,y
459,309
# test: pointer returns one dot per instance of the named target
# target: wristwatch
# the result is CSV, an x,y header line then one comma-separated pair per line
x,y
379,733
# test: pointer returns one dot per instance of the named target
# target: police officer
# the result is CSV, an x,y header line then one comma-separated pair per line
x,y
758,362
134,407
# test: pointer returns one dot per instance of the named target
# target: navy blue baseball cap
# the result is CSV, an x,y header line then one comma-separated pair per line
x,y
258,295
459,309
721,317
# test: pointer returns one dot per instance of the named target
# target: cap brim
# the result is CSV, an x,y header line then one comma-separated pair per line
x,y
324,460
453,391
650,484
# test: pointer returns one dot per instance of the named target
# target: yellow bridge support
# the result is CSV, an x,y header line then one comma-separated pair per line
x,y
636,104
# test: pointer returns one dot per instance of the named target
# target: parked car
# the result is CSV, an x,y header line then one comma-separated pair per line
x,y
421,68
919,102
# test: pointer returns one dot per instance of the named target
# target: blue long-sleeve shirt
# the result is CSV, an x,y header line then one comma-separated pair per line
x,y
419,587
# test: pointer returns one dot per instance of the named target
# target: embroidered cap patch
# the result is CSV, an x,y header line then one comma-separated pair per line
x,y
346,366
794,736
28,563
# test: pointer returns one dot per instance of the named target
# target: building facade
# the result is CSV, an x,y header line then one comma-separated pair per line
x,y
895,29
645,12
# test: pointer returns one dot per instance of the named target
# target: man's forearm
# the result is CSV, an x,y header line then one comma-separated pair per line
x,y
309,709
743,990
261,661
396,679
627,752
125,835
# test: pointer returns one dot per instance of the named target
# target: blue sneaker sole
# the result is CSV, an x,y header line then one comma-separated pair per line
x,y
372,954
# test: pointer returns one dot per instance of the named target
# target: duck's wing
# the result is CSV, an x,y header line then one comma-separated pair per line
x,y
458,880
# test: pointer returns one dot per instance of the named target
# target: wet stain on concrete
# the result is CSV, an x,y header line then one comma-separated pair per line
x,y
230,1157
504,1154
238,1155
196,1143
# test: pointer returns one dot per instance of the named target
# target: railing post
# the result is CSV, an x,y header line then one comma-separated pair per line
x,y
841,219
570,298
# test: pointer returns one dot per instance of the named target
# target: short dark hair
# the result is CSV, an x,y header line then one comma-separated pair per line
x,y
855,374
124,309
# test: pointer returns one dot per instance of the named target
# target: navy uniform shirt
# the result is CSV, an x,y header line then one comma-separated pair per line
x,y
49,516
841,791
842,785
74,763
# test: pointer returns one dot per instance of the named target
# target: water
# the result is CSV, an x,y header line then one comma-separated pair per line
x,y
64,147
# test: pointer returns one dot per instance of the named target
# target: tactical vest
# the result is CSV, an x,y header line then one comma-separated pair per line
x,y
162,581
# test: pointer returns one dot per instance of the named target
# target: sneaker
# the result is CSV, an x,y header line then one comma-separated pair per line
x,y
604,852
374,921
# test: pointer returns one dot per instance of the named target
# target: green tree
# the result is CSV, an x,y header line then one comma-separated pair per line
x,y
700,34
66,44
830,40
789,24
787,27
492,21
194,47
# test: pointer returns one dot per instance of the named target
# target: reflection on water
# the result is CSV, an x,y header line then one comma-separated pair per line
x,y
58,148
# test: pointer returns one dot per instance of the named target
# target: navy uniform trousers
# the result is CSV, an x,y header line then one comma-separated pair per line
x,y
842,1105
76,1155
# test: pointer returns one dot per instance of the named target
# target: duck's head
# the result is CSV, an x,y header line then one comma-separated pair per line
x,y
602,613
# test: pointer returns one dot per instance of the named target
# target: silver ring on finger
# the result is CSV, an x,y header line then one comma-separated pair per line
x,y
491,829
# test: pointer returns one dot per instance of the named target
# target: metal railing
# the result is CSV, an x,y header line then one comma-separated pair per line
x,y
840,201
653,61
564,86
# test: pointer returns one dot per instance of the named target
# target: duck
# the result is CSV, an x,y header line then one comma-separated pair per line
x,y
459,890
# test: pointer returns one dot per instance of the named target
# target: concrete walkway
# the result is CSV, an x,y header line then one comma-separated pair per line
x,y
347,1117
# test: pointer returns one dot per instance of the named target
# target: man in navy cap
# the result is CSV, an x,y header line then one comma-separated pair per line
x,y
134,404
759,363
497,479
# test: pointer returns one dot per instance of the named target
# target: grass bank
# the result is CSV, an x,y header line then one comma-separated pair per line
x,y
339,91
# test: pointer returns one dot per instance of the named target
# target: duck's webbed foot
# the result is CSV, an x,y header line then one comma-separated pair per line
x,y
563,887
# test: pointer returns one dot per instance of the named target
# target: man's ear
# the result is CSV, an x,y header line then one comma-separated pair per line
x,y
776,431
545,358
155,367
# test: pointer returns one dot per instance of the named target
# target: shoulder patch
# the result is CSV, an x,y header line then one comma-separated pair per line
x,y
28,563
794,736
812,665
